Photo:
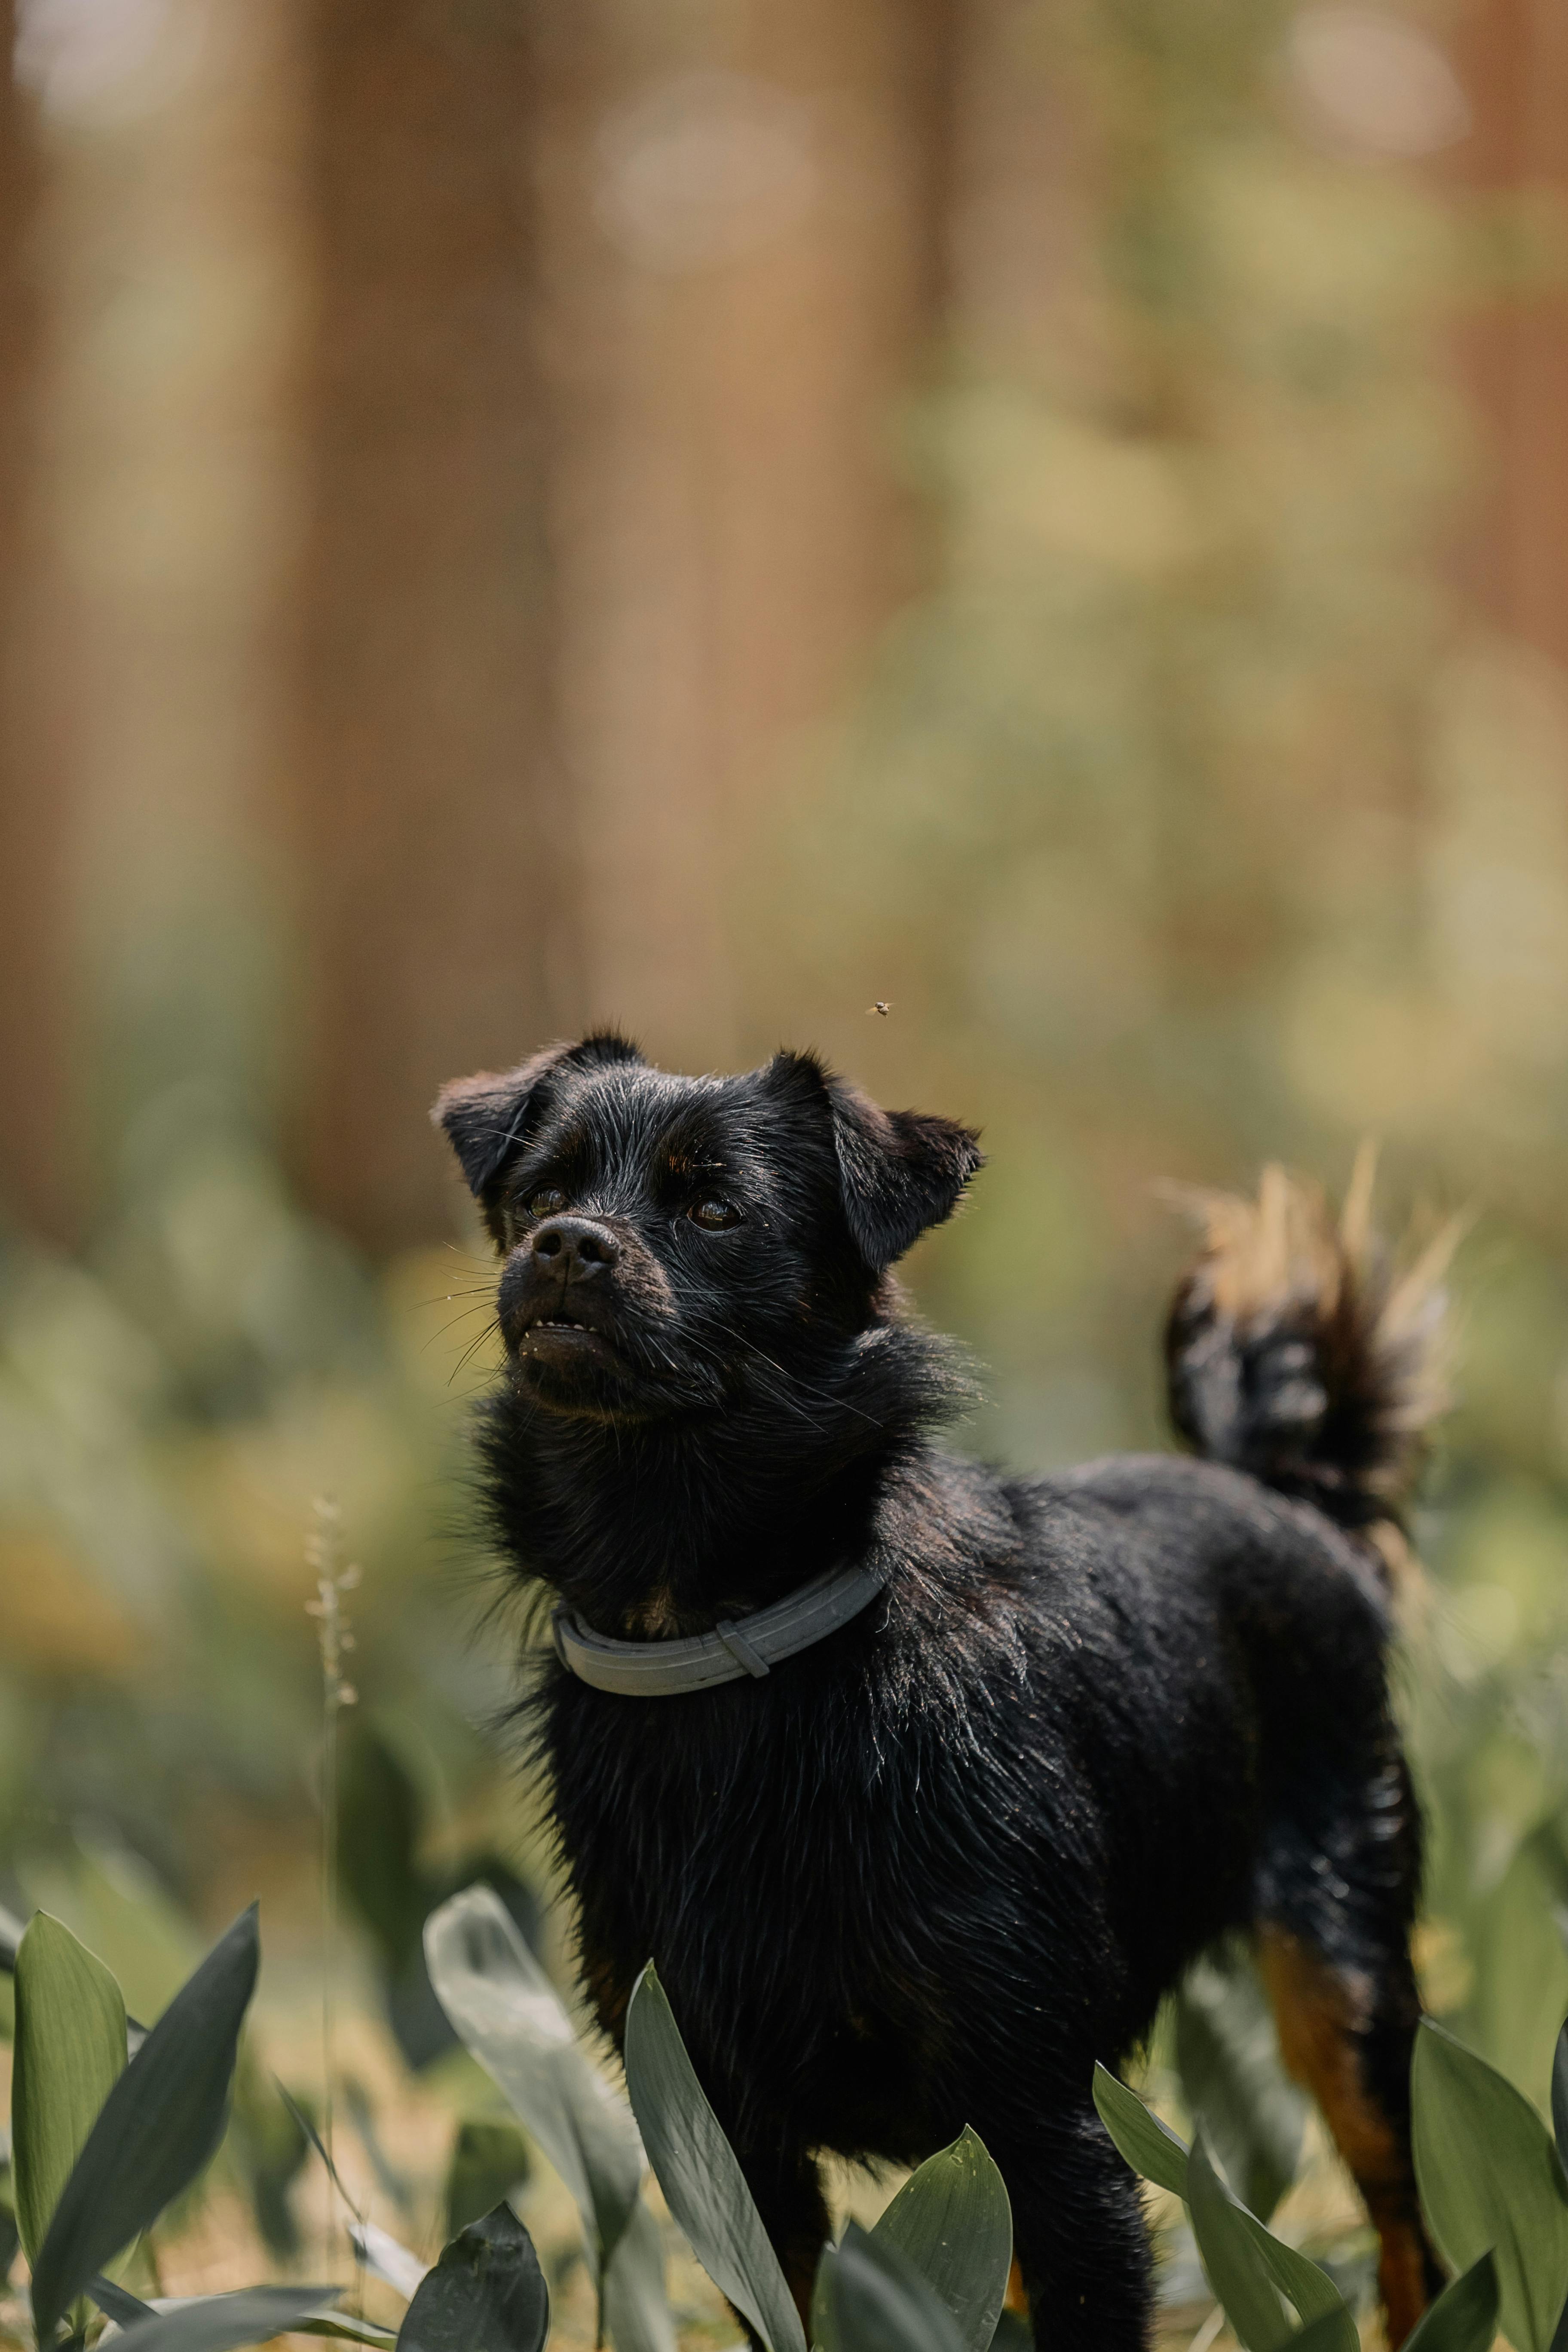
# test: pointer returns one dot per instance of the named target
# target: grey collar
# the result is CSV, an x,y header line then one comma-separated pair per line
x,y
737,1646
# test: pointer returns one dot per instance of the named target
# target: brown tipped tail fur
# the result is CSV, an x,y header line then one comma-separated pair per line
x,y
1301,1349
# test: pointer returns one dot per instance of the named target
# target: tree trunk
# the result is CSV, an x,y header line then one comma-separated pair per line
x,y
439,908
742,256
1515,61
35,1183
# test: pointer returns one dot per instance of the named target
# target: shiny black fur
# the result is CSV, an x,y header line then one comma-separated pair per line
x,y
928,1871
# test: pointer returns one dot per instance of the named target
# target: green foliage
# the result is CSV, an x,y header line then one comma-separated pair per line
x,y
119,1908
159,2126
1493,2189
509,2018
129,2150
1465,2316
1152,2148
390,2180
1249,2275
270,2146
871,2296
380,1826
1236,2269
489,2158
952,2219
487,2294
69,2053
171,1408
1490,2180
1227,2055
696,2169
219,2323
930,2278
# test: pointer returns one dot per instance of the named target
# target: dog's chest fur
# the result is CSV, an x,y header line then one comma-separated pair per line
x,y
831,1866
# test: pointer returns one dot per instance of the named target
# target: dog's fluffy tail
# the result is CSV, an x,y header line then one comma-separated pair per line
x,y
1299,1349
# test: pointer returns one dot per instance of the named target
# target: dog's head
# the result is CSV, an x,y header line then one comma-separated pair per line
x,y
668,1241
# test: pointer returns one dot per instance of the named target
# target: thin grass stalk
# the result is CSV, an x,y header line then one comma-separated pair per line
x,y
324,1552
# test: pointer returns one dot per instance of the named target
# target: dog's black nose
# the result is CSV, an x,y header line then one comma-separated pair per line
x,y
574,1247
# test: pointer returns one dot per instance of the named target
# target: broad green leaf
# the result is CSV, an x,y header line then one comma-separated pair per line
x,y
1149,2146
1303,2282
219,2323
128,2311
1490,2177
1465,2316
487,2294
1013,2333
123,2306
875,2300
1560,2096
697,2169
510,2017
1227,2054
1152,2148
159,2126
69,2053
952,2218
10,2240
1325,2335
820,2323
1234,2265
636,2310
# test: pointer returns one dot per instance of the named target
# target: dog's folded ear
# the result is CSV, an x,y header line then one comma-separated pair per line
x,y
899,1172
488,1118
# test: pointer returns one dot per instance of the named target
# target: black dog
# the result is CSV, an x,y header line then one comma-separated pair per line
x,y
929,1869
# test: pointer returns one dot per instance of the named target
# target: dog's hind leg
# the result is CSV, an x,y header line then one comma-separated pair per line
x,y
1079,2237
1333,1945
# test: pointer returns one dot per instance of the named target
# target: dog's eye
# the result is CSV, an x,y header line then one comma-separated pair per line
x,y
548,1201
714,1215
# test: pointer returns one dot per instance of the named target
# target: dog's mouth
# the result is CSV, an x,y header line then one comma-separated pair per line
x,y
591,1356
554,1325
558,1336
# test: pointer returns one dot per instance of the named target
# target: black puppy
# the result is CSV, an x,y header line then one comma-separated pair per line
x,y
928,1869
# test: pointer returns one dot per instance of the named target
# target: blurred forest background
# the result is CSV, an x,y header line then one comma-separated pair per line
x,y
1049,513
